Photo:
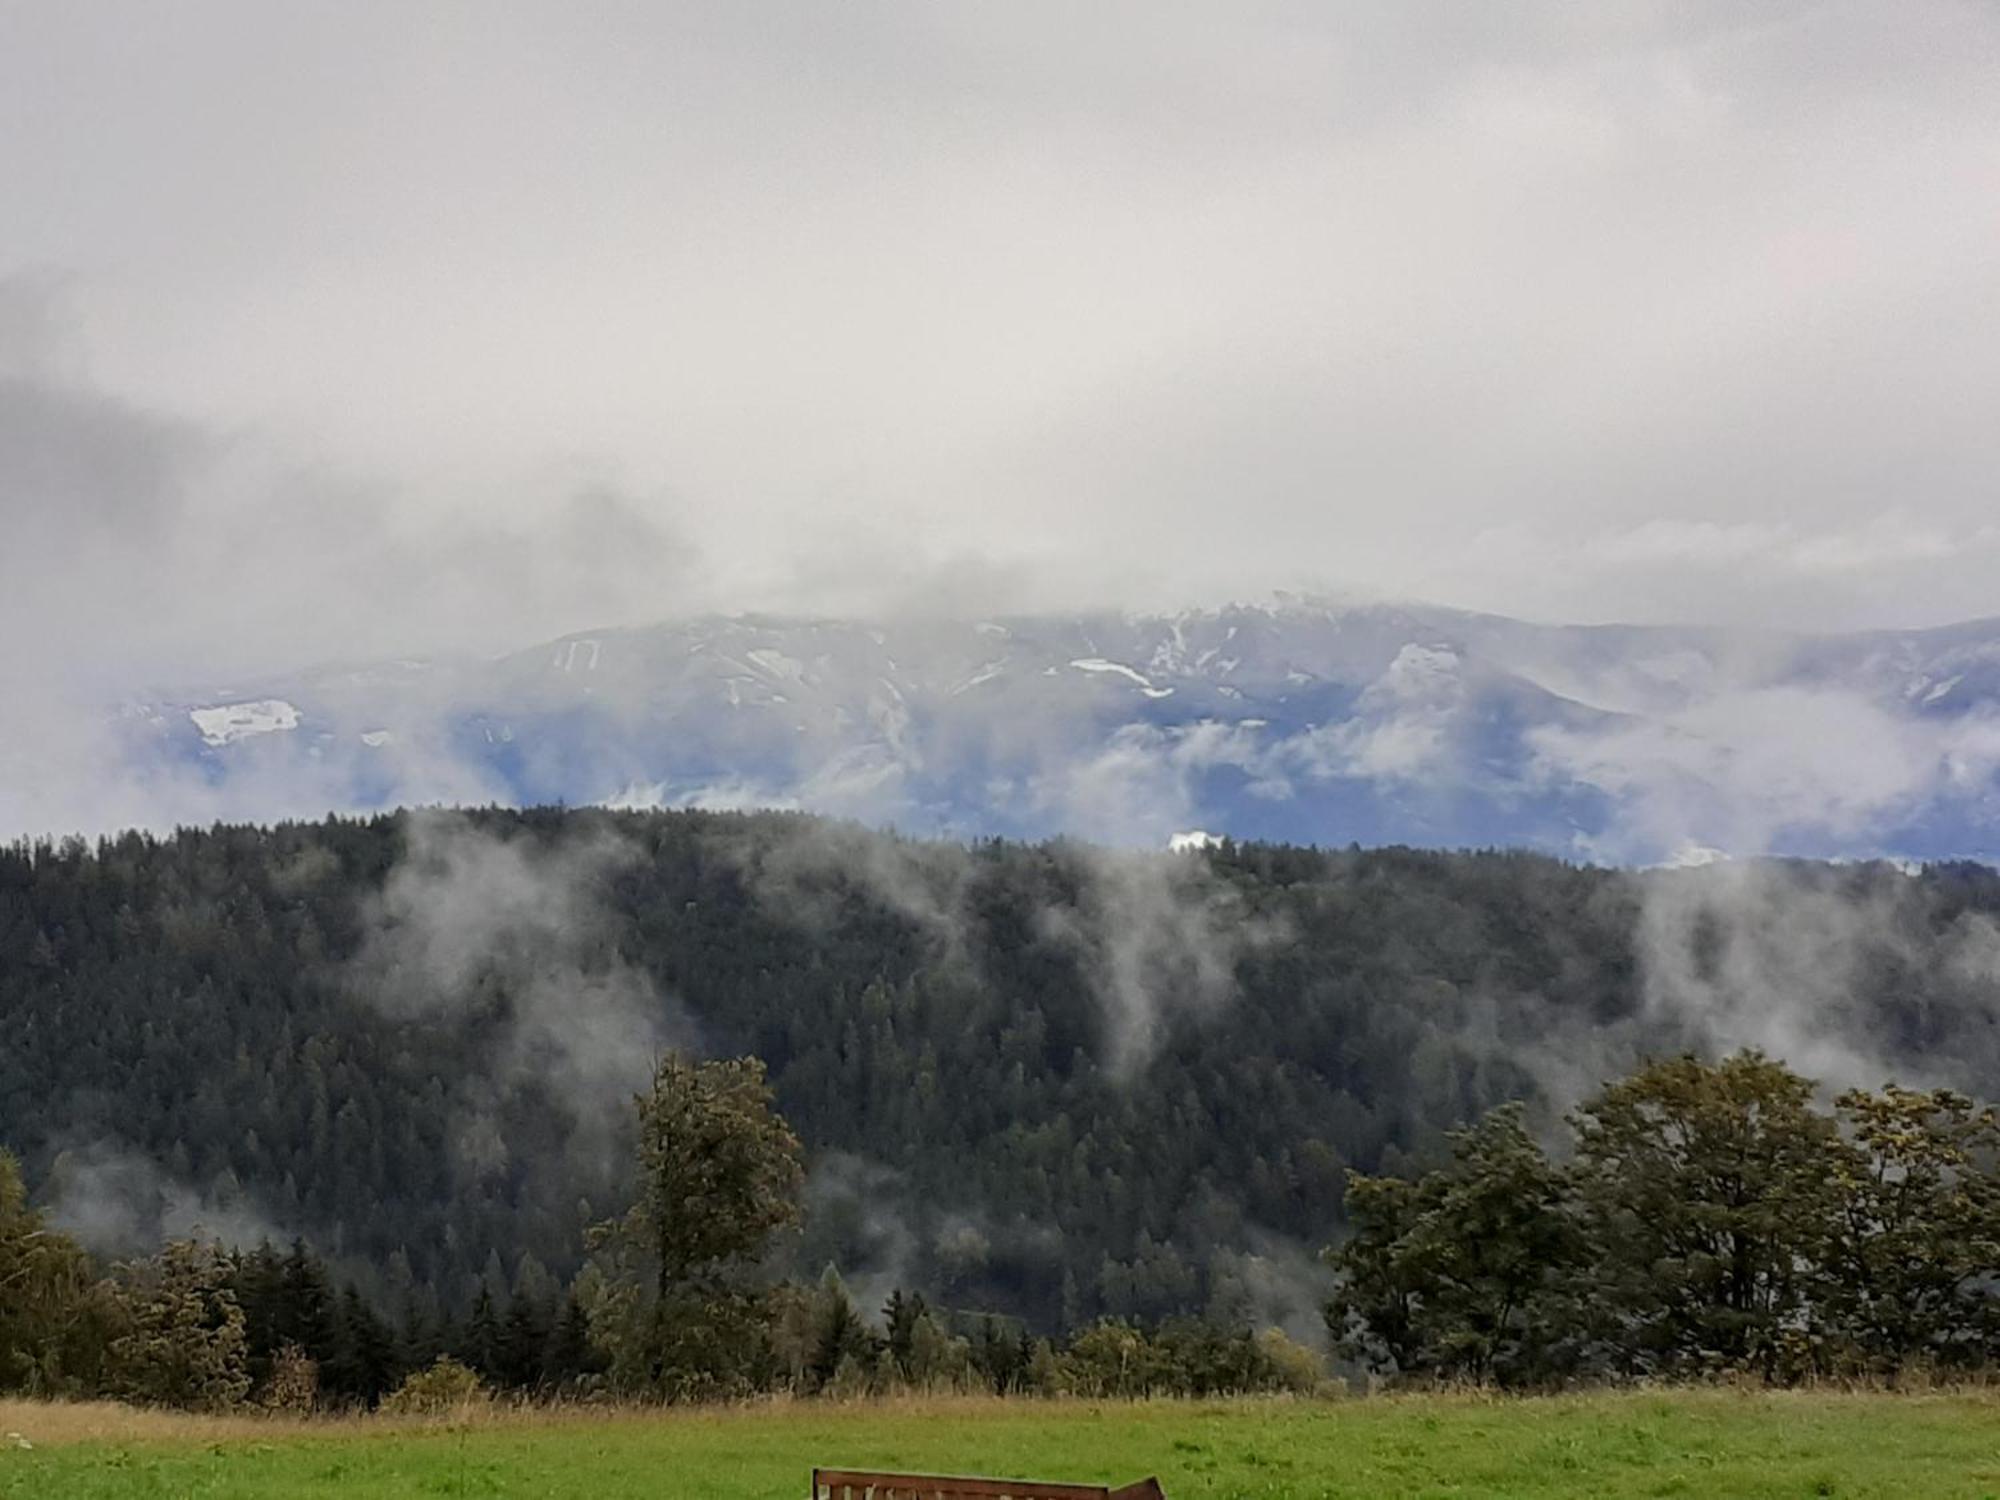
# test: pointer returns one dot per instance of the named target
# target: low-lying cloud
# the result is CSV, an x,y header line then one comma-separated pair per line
x,y
117,1201
1757,769
514,940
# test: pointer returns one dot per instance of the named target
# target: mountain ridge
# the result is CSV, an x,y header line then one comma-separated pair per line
x,y
1300,720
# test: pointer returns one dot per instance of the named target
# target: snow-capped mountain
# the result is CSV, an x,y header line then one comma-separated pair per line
x,y
1295,721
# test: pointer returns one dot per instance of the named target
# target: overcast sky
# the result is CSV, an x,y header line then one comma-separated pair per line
x,y
385,326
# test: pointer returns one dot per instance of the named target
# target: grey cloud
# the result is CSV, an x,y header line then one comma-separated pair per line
x,y
1275,1283
147,551
1755,954
1748,769
353,333
862,1208
120,1202
1159,938
1138,300
470,924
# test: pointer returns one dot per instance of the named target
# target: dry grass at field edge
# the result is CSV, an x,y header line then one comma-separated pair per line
x,y
58,1423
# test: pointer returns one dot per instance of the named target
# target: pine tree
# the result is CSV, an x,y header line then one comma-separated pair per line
x,y
479,1343
364,1364
569,1357
523,1341
900,1316
305,1310
841,1333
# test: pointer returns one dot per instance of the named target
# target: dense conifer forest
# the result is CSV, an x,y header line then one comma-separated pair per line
x,y
1047,1082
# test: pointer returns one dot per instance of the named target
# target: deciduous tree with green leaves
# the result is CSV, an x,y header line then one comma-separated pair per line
x,y
719,1174
1463,1273
1917,1242
1713,1192
56,1316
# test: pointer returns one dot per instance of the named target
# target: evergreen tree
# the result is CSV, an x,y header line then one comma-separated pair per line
x,y
900,1316
570,1359
523,1341
841,1337
363,1365
304,1312
479,1343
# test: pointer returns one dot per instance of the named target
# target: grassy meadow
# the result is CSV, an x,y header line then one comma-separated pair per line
x,y
1697,1443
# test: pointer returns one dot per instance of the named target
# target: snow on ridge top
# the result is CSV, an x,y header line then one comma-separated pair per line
x,y
1194,838
1099,664
226,723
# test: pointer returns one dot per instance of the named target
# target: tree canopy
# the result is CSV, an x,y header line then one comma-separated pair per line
x,y
1712,1216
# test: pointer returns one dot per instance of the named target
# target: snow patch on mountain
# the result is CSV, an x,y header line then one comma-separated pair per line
x,y
777,665
1099,664
987,673
577,656
226,723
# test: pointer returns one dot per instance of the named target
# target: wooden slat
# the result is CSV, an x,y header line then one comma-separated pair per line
x,y
862,1484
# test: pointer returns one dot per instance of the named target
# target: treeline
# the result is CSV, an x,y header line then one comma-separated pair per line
x,y
200,1325
678,1305
1709,1218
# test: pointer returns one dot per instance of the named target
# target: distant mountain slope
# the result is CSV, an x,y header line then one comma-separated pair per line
x,y
1296,721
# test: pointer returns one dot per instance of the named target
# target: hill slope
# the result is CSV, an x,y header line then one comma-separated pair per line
x,y
1049,1079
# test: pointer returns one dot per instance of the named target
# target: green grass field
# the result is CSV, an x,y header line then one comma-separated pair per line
x,y
1705,1443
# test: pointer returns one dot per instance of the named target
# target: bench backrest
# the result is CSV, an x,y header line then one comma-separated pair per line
x,y
857,1484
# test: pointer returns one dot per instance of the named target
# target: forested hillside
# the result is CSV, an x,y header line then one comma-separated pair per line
x,y
1044,1080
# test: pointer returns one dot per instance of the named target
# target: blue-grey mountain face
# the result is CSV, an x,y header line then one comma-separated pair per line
x,y
1299,722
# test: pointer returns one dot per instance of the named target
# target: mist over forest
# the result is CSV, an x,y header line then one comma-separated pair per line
x,y
1051,1081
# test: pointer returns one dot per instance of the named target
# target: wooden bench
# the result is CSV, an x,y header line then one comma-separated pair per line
x,y
855,1484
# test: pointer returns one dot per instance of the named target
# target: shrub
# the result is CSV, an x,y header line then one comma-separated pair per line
x,y
1288,1365
447,1386
293,1384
